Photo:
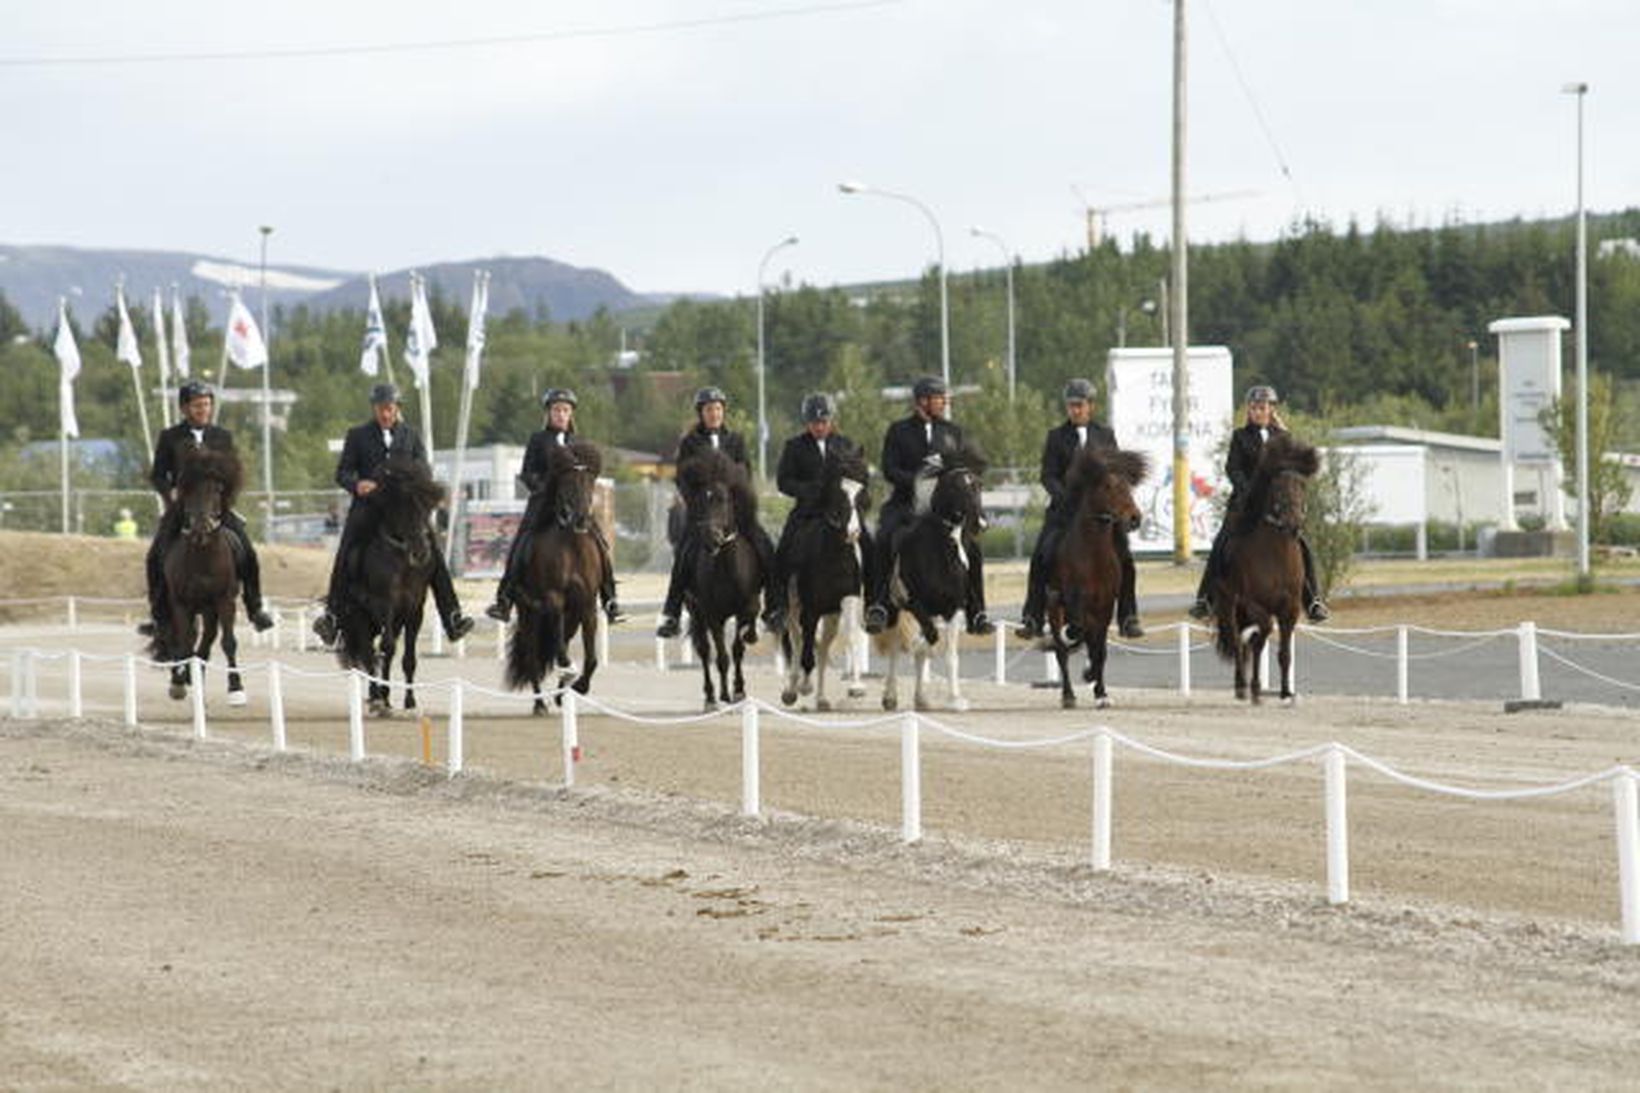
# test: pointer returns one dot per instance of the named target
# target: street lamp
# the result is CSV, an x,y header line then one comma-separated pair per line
x,y
267,400
1474,375
762,404
939,241
1581,90
1008,259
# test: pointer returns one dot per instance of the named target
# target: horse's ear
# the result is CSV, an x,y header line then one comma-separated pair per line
x,y
1132,466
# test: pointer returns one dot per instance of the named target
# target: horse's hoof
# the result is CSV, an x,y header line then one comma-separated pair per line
x,y
378,708
1101,702
806,687
788,697
921,705
960,705
1067,702
237,698
178,691
822,705
539,709
1289,700
890,704
409,702
856,690
1241,693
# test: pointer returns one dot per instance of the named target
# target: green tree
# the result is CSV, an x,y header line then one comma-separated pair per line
x,y
1609,488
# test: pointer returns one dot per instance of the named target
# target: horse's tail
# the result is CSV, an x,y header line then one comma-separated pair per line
x,y
159,646
533,648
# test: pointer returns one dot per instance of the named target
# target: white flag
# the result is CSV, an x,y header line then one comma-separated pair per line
x,y
245,345
125,347
68,363
159,345
375,334
475,326
420,342
179,334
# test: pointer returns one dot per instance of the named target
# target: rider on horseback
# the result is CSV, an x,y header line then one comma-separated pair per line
x,y
1246,445
558,403
195,431
363,452
914,447
800,476
1078,431
710,433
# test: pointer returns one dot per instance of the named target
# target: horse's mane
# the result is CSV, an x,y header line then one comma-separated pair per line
x,y
967,454
713,467
561,457
413,479
1091,466
847,461
1283,453
211,464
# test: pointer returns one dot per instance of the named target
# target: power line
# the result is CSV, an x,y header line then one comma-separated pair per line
x,y
441,45
1247,91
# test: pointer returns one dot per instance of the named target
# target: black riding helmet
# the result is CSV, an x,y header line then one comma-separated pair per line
x,y
1079,390
818,407
928,386
557,394
710,394
194,389
384,393
1262,392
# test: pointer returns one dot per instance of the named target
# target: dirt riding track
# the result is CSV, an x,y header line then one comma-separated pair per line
x,y
188,914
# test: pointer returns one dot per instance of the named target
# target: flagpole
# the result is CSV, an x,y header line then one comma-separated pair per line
x,y
222,371
419,284
64,393
464,416
164,354
136,368
267,393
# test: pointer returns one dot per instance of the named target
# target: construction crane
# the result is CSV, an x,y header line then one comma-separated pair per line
x,y
1095,214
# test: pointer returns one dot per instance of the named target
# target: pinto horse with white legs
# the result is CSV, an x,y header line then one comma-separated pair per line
x,y
826,566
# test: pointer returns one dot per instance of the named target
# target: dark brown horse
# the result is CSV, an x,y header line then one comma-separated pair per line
x,y
827,566
1087,572
563,570
1262,583
201,579
391,592
726,586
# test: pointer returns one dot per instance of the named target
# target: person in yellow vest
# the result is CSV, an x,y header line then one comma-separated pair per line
x,y
125,527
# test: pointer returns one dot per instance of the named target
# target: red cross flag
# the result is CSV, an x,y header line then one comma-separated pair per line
x,y
245,345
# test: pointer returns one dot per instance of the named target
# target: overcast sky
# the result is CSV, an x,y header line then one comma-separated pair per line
x,y
676,148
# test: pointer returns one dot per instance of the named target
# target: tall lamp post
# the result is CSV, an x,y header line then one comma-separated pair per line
x,y
1581,90
1474,375
939,242
762,402
267,398
1008,259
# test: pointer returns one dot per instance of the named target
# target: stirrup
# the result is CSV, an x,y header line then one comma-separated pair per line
x,y
1201,609
613,612
1029,628
668,627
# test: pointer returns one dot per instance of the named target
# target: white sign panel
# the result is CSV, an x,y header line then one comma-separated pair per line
x,y
1140,387
1529,364
1394,480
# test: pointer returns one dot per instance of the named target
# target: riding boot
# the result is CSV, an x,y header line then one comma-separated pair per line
x,y
606,582
1314,608
878,613
774,581
158,602
979,622
1203,607
501,609
456,625
682,562
250,577
1036,587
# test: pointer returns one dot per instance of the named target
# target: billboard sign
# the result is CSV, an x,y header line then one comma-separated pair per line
x,y
1529,371
1139,386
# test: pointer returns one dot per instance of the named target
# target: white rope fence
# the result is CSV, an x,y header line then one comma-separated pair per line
x,y
1334,756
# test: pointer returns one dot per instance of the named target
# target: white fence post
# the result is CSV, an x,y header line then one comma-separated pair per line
x,y
500,641
1628,853
1338,834
1184,659
355,715
1264,663
751,780
999,653
275,639
571,737
1529,690
1050,667
455,742
660,654
17,656
131,690
910,780
686,648
31,685
1402,663
1101,801
76,693
73,613
604,628
276,705
301,629
196,691
438,640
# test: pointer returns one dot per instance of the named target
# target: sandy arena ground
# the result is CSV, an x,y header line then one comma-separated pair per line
x,y
200,914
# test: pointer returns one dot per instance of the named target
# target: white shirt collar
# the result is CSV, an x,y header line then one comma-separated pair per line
x,y
1081,436
199,433
714,437
387,438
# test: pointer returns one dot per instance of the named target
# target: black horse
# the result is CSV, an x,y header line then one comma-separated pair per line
x,y
563,570
387,599
201,577
827,565
1262,583
929,584
725,587
1087,570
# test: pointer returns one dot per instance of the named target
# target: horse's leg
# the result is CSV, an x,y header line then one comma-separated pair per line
x,y
1062,657
701,636
412,630
810,622
1255,654
1243,636
794,623
828,634
1098,650
589,647
230,652
207,639
737,656
1289,693
182,642
381,694
891,675
919,669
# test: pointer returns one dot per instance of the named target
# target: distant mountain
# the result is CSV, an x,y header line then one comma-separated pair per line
x,y
33,277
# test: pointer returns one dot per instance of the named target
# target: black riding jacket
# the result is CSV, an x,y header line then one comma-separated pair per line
x,y
802,470
364,451
1059,449
905,445
699,439
178,441
1246,446
532,473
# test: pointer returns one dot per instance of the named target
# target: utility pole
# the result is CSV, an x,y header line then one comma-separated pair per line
x,y
1180,331
267,393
